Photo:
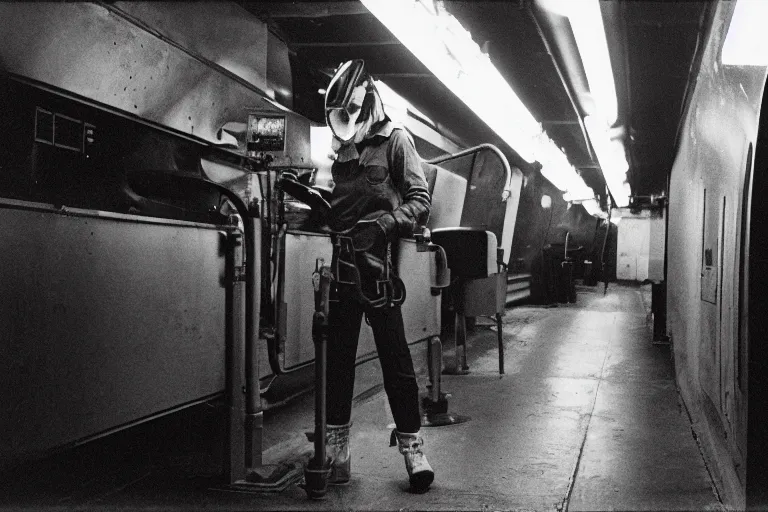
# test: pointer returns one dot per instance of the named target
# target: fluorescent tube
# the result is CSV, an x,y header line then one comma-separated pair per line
x,y
439,41
612,160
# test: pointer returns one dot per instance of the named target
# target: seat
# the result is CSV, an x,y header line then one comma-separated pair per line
x,y
477,263
475,195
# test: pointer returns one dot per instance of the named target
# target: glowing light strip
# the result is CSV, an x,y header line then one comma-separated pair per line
x,y
586,21
589,32
446,48
593,208
613,162
747,41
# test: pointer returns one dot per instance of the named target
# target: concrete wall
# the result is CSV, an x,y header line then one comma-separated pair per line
x,y
705,212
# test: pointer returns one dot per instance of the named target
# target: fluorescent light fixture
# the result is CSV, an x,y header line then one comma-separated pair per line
x,y
446,48
557,169
589,32
561,7
612,160
586,22
593,208
587,25
439,41
746,43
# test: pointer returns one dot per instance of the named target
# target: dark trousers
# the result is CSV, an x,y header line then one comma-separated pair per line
x,y
396,364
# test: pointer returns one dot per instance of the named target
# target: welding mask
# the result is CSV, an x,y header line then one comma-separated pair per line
x,y
349,100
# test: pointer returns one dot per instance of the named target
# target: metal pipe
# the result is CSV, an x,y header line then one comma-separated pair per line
x,y
253,279
276,243
235,465
460,336
501,343
254,421
320,402
318,468
252,227
558,62
435,357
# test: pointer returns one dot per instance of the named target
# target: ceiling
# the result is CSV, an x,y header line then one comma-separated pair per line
x,y
652,47
660,40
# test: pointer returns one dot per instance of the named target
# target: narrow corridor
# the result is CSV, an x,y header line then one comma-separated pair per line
x,y
586,417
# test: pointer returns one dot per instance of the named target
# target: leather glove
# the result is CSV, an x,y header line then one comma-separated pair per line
x,y
389,226
366,233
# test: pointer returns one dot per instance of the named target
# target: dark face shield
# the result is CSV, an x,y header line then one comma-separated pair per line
x,y
344,99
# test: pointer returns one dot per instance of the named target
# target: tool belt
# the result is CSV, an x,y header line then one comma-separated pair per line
x,y
365,271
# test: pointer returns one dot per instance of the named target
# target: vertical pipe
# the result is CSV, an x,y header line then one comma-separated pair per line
x,y
254,421
320,412
317,470
235,347
460,327
464,367
501,343
435,364
320,339
430,366
602,251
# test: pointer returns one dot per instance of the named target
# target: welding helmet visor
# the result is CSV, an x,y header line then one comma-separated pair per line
x,y
344,99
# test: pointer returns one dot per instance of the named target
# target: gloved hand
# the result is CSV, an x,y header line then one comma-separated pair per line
x,y
389,226
366,233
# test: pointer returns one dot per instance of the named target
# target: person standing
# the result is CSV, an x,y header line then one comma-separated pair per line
x,y
380,195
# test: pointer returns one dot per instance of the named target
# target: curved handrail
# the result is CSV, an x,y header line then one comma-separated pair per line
x,y
507,192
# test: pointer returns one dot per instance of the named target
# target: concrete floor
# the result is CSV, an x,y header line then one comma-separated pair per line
x,y
586,417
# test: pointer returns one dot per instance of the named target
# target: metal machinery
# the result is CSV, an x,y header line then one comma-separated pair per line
x,y
152,261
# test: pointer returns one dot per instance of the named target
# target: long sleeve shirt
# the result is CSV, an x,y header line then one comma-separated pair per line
x,y
387,177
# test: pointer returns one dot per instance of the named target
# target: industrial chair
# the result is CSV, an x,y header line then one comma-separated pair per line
x,y
475,195
480,283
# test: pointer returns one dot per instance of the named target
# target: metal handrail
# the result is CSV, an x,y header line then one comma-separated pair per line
x,y
507,192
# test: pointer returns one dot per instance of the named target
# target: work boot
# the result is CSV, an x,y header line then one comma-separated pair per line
x,y
337,448
420,473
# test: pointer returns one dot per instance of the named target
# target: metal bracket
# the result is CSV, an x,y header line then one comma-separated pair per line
x,y
238,274
435,404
